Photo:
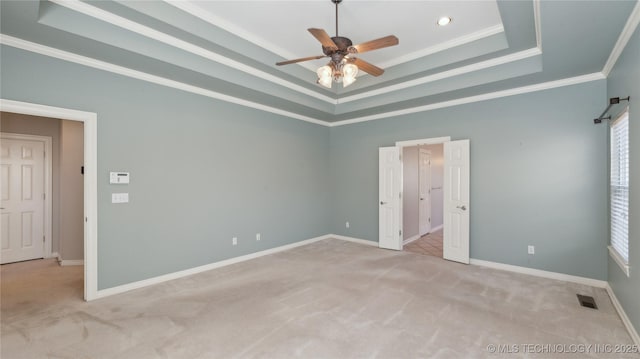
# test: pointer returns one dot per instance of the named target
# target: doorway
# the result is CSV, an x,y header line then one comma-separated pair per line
x,y
88,180
422,199
455,188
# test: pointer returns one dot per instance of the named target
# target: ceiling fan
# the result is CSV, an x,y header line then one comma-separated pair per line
x,y
343,66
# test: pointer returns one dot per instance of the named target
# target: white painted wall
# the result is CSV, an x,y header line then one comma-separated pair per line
x,y
437,179
410,194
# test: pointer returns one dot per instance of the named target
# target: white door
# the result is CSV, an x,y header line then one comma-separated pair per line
x,y
22,188
456,201
390,178
424,203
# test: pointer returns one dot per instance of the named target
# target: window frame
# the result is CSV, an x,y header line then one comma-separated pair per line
x,y
613,251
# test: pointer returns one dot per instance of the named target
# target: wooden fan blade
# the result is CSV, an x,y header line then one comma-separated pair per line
x,y
300,60
368,68
377,44
324,38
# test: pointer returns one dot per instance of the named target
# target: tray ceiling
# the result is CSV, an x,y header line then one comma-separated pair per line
x,y
228,49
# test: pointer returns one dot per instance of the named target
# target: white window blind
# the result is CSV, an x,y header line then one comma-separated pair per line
x,y
620,186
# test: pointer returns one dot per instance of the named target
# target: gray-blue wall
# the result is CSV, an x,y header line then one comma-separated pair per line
x,y
202,171
538,176
623,81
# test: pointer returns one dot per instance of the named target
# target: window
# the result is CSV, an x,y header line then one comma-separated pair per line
x,y
619,196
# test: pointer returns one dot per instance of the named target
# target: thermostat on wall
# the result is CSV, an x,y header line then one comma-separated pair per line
x,y
119,177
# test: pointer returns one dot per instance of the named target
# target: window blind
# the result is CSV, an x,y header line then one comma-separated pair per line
x,y
619,195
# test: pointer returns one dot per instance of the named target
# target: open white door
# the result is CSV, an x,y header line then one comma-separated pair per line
x,y
456,201
390,177
23,198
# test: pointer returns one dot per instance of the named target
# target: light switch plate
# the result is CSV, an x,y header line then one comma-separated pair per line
x,y
119,198
119,177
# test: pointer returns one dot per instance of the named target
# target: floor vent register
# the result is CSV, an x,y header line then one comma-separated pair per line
x,y
587,301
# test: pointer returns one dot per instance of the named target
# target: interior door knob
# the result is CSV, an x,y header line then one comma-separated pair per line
x,y
462,207
383,203
422,199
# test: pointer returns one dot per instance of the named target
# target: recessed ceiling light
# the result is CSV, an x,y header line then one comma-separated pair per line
x,y
444,21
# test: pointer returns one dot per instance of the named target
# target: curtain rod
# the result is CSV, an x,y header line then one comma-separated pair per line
x,y
612,101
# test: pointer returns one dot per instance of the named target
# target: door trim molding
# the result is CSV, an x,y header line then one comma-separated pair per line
x,y
424,141
411,143
90,179
48,184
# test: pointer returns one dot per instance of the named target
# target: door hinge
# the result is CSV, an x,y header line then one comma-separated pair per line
x,y
400,195
43,238
400,233
44,196
429,219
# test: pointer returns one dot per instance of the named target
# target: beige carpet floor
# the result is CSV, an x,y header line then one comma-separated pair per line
x,y
329,299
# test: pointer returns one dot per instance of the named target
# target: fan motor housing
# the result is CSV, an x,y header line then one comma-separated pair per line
x,y
342,43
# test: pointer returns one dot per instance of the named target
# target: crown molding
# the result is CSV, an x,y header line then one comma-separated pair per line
x,y
623,39
119,21
220,22
120,70
481,34
217,21
445,74
124,71
89,10
488,96
537,22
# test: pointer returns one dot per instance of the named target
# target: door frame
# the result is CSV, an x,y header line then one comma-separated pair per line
x,y
411,143
90,179
48,185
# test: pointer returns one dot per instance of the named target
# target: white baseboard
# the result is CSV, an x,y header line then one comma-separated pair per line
x,y
436,228
187,272
623,316
355,240
71,262
410,239
67,262
540,273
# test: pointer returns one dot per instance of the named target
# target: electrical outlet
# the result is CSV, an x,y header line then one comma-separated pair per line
x,y
531,250
257,236
234,241
346,224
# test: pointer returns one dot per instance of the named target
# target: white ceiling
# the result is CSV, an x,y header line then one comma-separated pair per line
x,y
281,26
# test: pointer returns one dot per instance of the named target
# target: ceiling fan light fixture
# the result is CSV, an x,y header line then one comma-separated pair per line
x,y
349,73
325,74
342,68
444,21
